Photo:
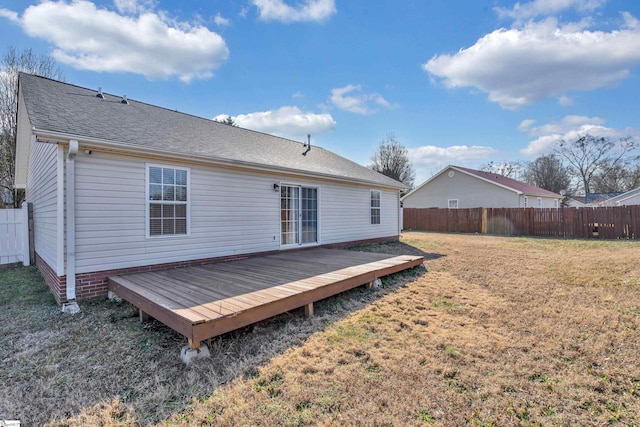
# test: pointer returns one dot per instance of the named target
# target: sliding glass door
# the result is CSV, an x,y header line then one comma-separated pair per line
x,y
298,215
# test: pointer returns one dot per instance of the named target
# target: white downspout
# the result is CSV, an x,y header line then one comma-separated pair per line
x,y
71,306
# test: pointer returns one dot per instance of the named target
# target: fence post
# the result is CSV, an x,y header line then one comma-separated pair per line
x,y
32,245
26,248
483,229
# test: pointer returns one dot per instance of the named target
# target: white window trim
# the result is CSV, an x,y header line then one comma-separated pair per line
x,y
371,208
148,202
539,201
526,202
555,203
449,203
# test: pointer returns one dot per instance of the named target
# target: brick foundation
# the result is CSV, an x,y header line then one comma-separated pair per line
x,y
57,284
94,285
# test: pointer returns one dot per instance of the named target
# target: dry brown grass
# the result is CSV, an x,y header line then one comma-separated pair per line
x,y
501,331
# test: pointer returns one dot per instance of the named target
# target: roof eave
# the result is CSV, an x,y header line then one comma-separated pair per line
x,y
506,187
62,137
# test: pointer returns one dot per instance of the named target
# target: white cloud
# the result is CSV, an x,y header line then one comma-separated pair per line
x,y
569,128
9,14
150,44
287,122
351,99
522,66
536,8
220,21
429,159
308,10
133,6
567,124
565,101
455,154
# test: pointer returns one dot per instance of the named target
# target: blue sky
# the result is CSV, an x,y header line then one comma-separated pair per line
x,y
459,82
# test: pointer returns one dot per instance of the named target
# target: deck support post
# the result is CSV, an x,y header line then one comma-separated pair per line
x,y
195,350
376,283
308,310
144,317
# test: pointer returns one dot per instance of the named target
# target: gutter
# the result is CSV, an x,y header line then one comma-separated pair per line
x,y
61,137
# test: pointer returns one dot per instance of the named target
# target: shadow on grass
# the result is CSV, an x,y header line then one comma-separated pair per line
x,y
102,366
398,248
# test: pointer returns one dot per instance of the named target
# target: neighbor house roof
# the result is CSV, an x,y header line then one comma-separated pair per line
x,y
499,180
620,197
597,198
518,186
57,108
580,199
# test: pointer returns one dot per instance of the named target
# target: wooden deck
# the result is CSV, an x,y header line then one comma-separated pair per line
x,y
205,301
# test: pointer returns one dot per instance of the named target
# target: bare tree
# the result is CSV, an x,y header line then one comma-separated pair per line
x,y
618,178
590,156
549,173
511,170
12,64
392,159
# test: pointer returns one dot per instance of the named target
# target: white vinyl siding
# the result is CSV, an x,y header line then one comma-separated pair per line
x,y
345,211
23,145
43,193
375,207
232,212
452,203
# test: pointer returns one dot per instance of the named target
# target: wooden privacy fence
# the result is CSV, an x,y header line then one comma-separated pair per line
x,y
620,222
14,236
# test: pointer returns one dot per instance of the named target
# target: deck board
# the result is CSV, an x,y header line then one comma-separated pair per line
x,y
204,301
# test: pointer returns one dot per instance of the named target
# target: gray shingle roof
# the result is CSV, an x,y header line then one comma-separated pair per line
x,y
61,107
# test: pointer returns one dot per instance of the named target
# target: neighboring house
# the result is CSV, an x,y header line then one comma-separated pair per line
x,y
576,201
120,186
458,187
631,197
596,199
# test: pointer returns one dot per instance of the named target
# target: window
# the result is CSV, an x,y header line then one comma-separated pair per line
x,y
375,207
555,203
167,201
526,202
452,204
539,201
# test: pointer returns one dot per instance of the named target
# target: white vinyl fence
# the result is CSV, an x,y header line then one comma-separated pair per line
x,y
14,236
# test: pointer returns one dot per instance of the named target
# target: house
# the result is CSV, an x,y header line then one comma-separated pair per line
x,y
631,197
597,199
457,187
576,201
120,186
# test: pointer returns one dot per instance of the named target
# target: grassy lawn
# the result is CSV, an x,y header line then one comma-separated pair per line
x,y
500,331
